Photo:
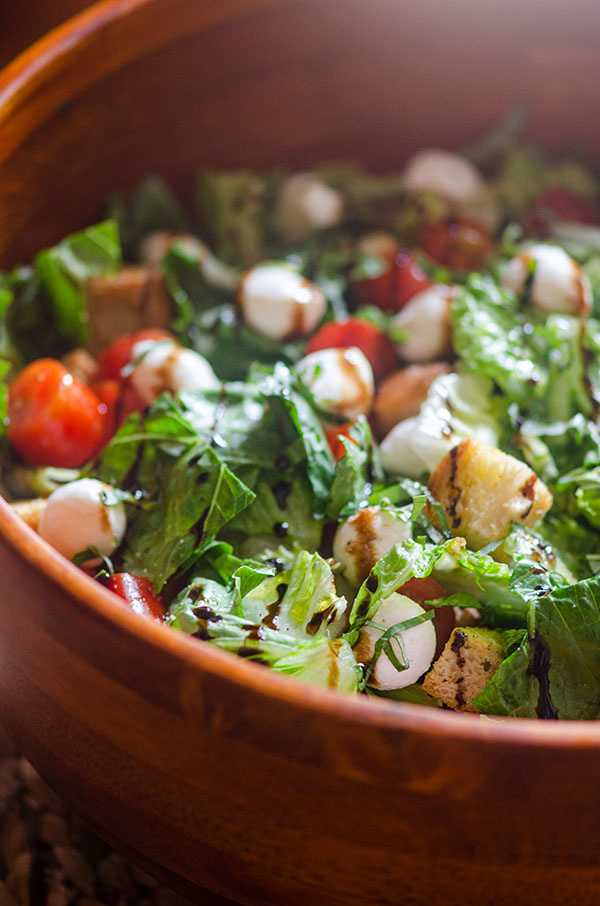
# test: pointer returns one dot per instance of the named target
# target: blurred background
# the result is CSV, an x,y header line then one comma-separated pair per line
x,y
24,22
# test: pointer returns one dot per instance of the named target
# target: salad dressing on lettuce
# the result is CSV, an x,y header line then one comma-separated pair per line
x,y
408,519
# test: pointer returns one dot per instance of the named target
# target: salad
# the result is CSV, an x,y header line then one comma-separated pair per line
x,y
344,425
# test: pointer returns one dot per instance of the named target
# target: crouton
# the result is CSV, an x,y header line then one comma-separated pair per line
x,y
80,363
469,660
133,298
30,511
483,490
401,394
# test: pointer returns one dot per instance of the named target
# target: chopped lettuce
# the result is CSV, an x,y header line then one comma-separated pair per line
x,y
153,206
64,270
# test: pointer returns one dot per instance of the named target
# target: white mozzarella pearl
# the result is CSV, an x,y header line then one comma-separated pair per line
x,y
155,246
426,321
165,365
364,538
280,303
419,644
306,204
76,517
558,283
341,380
398,455
444,173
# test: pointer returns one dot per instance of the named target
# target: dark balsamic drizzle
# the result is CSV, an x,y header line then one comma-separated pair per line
x,y
281,492
538,668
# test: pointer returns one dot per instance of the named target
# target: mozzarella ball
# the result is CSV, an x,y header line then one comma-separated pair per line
x,y
398,456
426,321
364,538
419,644
340,380
448,175
307,204
161,365
558,284
76,517
280,303
155,246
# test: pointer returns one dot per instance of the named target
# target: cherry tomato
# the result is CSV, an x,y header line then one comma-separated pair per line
x,y
422,589
333,439
139,594
113,359
427,589
558,204
401,279
378,348
109,394
461,245
54,419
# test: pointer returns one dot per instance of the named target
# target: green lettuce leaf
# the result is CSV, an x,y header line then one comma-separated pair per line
x,y
153,206
64,270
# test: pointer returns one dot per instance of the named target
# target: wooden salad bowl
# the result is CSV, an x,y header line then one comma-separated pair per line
x,y
210,771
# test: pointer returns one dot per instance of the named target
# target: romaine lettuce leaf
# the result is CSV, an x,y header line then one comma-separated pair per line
x,y
458,571
64,270
301,601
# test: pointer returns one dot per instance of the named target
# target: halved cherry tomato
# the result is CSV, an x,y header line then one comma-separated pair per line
x,y
461,245
113,359
427,589
558,204
54,419
139,594
401,279
333,439
378,348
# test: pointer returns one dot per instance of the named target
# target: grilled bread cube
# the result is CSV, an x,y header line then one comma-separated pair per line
x,y
30,511
483,490
124,302
469,660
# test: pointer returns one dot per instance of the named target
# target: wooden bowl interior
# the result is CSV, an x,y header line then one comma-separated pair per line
x,y
204,767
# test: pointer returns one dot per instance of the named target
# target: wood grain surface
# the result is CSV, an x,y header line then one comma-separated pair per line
x,y
24,22
207,769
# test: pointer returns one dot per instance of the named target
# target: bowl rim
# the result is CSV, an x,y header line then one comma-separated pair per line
x,y
17,80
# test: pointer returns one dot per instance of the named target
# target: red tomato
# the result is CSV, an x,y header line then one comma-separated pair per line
x,y
402,279
54,419
109,394
113,359
378,348
422,589
139,594
333,439
556,203
461,245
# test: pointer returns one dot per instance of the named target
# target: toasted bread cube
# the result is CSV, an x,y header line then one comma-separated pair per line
x,y
469,660
121,303
81,364
30,511
483,490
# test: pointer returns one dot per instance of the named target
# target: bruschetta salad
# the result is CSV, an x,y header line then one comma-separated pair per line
x,y
342,424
